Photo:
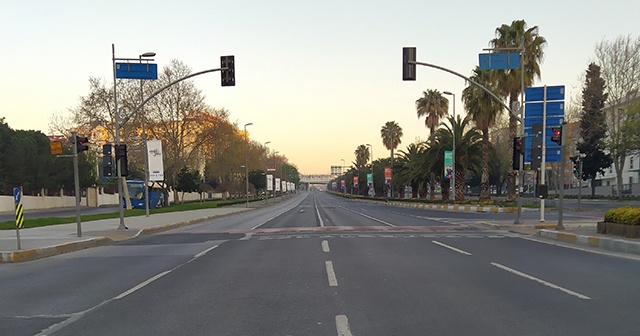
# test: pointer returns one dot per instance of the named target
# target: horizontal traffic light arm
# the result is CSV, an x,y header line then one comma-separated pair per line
x,y
133,113
472,82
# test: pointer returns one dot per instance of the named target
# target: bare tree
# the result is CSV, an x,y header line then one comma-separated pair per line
x,y
619,61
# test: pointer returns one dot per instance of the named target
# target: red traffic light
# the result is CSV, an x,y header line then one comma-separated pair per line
x,y
556,135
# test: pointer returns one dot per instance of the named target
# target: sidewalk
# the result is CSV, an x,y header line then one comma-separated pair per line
x,y
46,241
581,232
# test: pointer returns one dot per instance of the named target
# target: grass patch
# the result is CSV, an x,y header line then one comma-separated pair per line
x,y
46,221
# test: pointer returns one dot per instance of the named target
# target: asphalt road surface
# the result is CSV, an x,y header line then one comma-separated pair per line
x,y
321,265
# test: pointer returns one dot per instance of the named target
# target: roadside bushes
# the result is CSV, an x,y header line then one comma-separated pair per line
x,y
625,215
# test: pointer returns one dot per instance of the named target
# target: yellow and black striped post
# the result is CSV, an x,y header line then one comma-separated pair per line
x,y
19,216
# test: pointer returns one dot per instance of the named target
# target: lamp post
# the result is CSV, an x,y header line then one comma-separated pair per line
x,y
342,172
274,172
266,191
144,139
453,136
246,162
371,152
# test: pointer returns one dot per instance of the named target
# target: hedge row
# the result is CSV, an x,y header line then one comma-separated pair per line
x,y
625,215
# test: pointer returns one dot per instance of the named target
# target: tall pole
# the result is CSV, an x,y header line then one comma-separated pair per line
x,y
146,153
266,191
543,163
76,182
520,173
116,113
371,146
560,226
246,162
453,152
579,180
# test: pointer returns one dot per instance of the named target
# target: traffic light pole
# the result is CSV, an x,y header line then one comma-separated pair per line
x,y
543,161
579,182
76,182
560,226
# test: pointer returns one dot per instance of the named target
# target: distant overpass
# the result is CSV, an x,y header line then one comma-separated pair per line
x,y
318,181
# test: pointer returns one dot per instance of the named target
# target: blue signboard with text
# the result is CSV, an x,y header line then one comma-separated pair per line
x,y
499,61
137,70
543,109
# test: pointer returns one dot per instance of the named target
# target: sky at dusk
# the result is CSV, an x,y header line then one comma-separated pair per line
x,y
316,78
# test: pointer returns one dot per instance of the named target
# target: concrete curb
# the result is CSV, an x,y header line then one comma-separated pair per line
x,y
610,244
455,207
44,252
50,251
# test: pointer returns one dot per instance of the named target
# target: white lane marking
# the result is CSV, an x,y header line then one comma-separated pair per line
x,y
318,212
280,214
451,247
546,283
142,284
367,216
205,252
325,246
331,274
583,249
342,325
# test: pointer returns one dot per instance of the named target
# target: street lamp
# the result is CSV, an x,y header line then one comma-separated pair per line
x,y
117,128
371,152
246,162
453,153
144,139
266,192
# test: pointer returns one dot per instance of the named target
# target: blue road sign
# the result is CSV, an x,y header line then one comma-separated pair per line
x,y
137,70
534,94
551,121
555,108
16,195
499,61
552,148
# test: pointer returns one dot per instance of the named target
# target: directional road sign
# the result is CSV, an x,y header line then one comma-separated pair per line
x,y
137,70
536,94
17,195
499,61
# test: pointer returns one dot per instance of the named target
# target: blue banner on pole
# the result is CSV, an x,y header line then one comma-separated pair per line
x,y
137,70
499,61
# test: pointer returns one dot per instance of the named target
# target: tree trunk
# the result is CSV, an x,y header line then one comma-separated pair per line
x,y
593,186
445,186
459,187
484,178
432,186
619,164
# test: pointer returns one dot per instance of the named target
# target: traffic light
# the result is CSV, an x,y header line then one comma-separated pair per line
x,y
576,166
107,166
121,159
107,161
227,64
408,68
556,135
518,150
81,144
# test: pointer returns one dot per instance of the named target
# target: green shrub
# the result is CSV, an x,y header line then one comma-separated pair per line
x,y
625,215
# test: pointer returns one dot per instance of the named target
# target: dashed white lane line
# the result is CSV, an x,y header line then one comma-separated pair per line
x,y
546,283
342,325
331,274
318,212
451,247
325,246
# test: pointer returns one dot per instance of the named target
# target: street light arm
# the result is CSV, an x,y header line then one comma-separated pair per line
x,y
472,82
164,88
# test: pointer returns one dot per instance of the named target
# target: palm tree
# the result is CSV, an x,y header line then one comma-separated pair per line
x,y
483,109
362,156
410,167
468,152
391,133
433,106
509,81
